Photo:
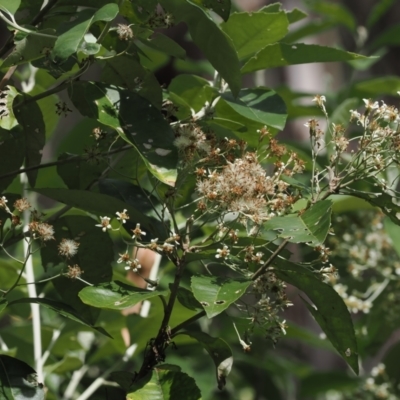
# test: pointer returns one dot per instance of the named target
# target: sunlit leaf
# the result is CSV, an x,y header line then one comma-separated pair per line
x,y
216,294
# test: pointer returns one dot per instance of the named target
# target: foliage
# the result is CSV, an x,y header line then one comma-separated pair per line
x,y
191,172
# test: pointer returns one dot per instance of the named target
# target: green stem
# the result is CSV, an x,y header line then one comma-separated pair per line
x,y
175,330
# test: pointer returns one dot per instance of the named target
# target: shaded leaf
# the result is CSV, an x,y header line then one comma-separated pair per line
x,y
68,42
135,119
377,11
378,86
187,299
3,304
220,7
67,364
116,295
214,43
123,378
219,351
18,380
97,203
336,12
63,309
250,32
281,54
310,227
31,121
30,48
11,6
330,311
164,385
216,293
94,257
166,45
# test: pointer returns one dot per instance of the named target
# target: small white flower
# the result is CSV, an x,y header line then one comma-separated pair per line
x,y
134,265
125,257
370,105
105,223
122,216
137,232
223,253
68,248
3,202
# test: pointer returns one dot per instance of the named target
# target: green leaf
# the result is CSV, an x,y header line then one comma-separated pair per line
x,y
187,299
164,385
219,351
80,173
295,15
309,29
378,86
95,256
377,11
220,7
123,378
139,12
389,37
166,45
68,43
280,55
7,117
67,364
30,48
310,227
216,294
61,308
250,32
136,121
127,72
116,295
18,381
97,203
11,6
336,12
193,89
31,121
330,311
390,205
12,154
260,105
215,44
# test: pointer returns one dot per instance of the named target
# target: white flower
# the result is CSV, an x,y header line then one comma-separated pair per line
x,y
105,223
133,264
223,253
68,248
3,202
122,216
370,105
137,232
125,257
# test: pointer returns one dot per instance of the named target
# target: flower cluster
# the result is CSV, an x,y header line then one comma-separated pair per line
x,y
68,248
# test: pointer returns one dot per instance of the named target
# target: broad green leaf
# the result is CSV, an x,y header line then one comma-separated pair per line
x,y
68,42
11,6
295,15
18,381
31,121
166,45
280,55
116,295
7,117
378,86
80,173
67,364
125,71
259,105
123,378
312,226
187,299
97,203
390,205
31,48
193,89
12,154
250,32
309,29
215,44
220,7
63,309
389,37
336,12
377,11
135,119
330,311
219,351
216,294
164,385
94,256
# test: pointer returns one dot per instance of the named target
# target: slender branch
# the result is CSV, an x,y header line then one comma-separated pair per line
x,y
7,76
38,18
183,324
